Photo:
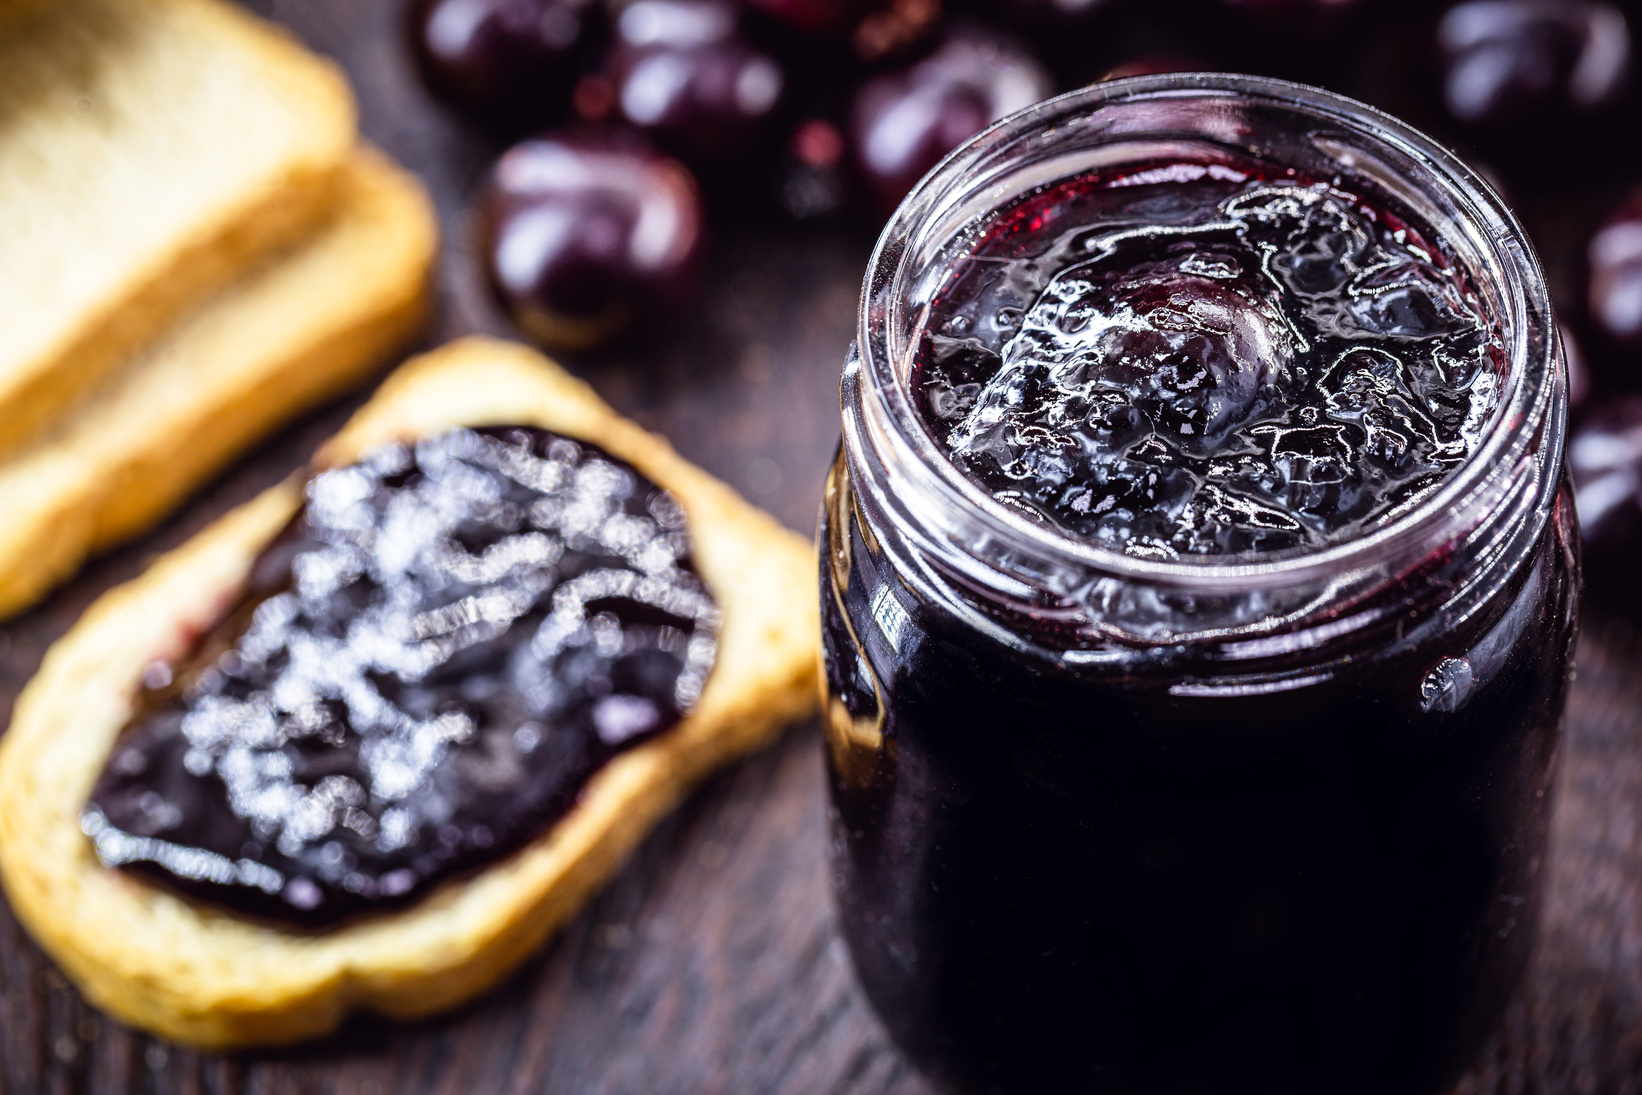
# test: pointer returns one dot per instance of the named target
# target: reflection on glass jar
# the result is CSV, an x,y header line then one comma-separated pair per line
x,y
1121,805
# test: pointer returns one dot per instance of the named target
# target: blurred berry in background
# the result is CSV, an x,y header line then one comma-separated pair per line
x,y
1615,296
682,71
581,230
1511,60
1605,461
506,62
905,122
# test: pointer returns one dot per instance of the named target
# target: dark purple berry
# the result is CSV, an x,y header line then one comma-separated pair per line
x,y
508,60
904,123
683,72
1511,60
1616,275
582,230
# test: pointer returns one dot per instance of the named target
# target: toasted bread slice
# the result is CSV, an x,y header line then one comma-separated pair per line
x,y
211,979
149,151
309,323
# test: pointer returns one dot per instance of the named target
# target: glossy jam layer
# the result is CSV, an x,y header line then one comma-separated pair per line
x,y
427,667
1207,359
1188,868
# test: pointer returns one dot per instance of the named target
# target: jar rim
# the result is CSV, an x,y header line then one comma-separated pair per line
x,y
1527,404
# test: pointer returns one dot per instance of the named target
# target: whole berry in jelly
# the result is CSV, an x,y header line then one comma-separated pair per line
x,y
581,231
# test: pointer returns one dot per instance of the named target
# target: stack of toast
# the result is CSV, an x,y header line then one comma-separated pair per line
x,y
197,250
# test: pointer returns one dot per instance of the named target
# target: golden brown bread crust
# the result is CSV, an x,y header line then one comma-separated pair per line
x,y
310,323
197,976
150,150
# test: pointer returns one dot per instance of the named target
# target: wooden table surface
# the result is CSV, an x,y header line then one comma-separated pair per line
x,y
712,963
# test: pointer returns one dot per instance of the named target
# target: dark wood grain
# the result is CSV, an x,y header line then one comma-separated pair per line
x,y
712,963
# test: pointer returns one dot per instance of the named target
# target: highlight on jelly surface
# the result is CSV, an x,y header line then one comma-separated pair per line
x,y
1207,359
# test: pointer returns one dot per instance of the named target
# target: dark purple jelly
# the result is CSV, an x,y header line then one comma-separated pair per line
x,y
1202,359
1206,869
426,668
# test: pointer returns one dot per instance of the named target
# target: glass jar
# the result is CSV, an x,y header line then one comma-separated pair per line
x,y
1106,822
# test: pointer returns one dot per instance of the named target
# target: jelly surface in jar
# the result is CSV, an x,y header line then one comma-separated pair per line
x,y
1207,359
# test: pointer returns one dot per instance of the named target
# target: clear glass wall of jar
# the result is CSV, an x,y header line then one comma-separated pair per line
x,y
1108,823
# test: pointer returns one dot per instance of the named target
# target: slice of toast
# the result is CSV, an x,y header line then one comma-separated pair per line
x,y
149,151
162,963
308,324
